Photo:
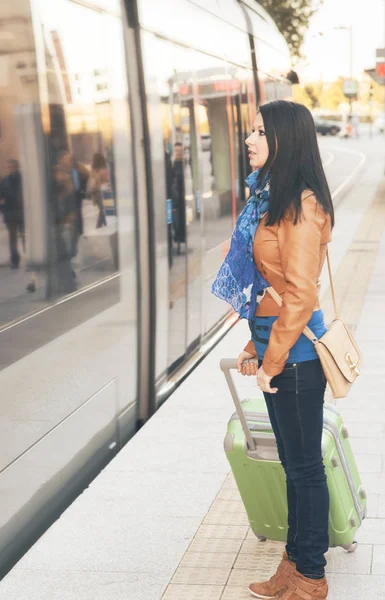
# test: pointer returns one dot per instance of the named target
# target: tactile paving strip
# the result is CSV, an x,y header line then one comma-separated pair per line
x,y
258,562
228,506
236,593
200,544
216,517
237,532
243,577
201,576
209,560
193,592
225,556
230,483
254,546
229,494
220,514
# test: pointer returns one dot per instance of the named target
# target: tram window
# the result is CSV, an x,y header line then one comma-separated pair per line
x,y
218,161
58,218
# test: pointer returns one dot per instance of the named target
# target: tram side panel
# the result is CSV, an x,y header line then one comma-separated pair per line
x,y
68,343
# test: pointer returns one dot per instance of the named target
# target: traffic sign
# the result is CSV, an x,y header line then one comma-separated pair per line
x,y
380,62
350,88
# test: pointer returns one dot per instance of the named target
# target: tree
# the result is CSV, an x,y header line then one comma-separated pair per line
x,y
333,95
292,19
300,96
309,95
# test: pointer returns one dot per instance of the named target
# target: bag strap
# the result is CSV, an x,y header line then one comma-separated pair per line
x,y
277,298
307,331
336,311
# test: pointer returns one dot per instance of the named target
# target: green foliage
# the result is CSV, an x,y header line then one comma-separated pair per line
x,y
333,95
314,95
292,19
309,95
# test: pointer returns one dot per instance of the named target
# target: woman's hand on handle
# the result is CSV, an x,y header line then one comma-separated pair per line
x,y
245,367
263,381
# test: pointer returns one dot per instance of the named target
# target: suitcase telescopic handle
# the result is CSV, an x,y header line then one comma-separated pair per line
x,y
227,365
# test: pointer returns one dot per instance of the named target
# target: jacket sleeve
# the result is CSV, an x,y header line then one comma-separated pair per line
x,y
250,348
299,248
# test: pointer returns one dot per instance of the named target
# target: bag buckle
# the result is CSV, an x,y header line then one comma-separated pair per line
x,y
352,365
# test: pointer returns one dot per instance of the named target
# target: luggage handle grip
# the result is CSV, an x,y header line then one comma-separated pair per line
x,y
227,365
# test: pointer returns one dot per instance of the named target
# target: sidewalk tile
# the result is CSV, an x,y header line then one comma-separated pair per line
x,y
358,562
360,587
82,585
373,413
378,567
369,463
372,506
364,445
381,506
372,531
374,483
366,430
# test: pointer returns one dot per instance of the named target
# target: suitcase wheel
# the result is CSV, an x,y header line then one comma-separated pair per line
x,y
351,547
261,538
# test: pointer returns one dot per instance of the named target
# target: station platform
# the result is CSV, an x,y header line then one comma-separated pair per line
x,y
164,519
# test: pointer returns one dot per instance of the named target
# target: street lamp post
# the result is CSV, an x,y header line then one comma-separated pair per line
x,y
349,28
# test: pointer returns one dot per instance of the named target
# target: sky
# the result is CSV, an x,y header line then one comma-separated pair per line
x,y
328,55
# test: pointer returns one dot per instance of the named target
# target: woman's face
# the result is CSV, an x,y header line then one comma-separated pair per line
x,y
257,144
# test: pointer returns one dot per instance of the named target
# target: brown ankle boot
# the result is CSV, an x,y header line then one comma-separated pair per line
x,y
299,587
269,589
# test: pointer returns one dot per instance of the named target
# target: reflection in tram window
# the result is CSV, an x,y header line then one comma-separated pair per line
x,y
178,197
61,236
68,319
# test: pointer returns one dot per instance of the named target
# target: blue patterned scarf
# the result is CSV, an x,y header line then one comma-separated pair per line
x,y
238,281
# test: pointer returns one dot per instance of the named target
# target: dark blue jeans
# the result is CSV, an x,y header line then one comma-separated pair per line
x,y
296,415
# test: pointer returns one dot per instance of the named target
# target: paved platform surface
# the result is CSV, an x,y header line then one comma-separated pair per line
x,y
164,518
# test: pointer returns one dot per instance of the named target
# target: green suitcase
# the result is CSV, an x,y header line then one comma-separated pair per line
x,y
252,453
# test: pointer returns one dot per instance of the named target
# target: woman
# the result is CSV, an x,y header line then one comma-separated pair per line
x,y
288,221
98,178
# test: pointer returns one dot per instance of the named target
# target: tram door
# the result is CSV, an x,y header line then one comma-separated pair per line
x,y
193,223
183,218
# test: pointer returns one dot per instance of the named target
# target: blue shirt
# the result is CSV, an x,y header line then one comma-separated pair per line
x,y
75,179
303,349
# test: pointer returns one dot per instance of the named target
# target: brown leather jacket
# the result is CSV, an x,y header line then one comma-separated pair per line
x,y
291,257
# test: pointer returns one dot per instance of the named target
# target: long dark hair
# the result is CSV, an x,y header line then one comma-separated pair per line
x,y
294,160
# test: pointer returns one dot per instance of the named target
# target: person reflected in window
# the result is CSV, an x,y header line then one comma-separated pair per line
x,y
178,197
80,175
169,181
11,205
98,178
66,223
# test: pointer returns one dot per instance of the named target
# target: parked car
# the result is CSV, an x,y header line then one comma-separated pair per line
x,y
379,123
325,127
